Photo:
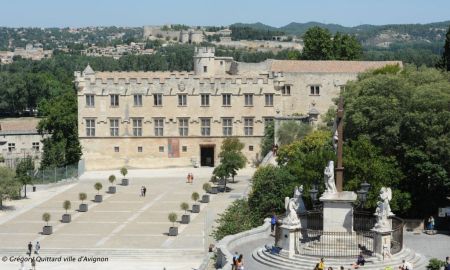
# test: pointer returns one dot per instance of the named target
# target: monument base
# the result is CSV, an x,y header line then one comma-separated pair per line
x,y
382,243
338,211
288,240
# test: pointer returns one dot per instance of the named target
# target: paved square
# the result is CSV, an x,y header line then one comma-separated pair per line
x,y
130,230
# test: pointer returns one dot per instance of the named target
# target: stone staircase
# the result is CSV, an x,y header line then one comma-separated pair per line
x,y
269,159
274,261
160,255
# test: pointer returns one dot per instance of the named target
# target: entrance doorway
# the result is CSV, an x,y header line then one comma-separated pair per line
x,y
207,155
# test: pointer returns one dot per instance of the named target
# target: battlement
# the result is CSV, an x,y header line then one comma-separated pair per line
x,y
175,78
204,50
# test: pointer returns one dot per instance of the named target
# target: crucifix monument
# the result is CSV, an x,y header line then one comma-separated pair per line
x,y
337,204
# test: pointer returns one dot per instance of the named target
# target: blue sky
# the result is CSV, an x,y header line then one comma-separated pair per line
x,y
62,13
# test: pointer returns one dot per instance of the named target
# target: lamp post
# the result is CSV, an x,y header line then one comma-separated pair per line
x,y
313,194
362,193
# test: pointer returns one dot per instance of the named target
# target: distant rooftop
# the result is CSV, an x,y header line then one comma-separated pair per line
x,y
18,125
305,66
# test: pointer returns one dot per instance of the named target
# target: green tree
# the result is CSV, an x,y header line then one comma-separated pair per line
x,y
9,187
231,157
407,115
446,54
306,158
270,185
346,47
60,120
238,217
23,169
290,131
364,162
268,140
317,44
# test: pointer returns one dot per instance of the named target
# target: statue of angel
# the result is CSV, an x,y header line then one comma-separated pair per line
x,y
291,205
330,184
383,210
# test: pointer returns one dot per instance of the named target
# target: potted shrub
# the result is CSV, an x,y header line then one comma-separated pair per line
x,y
207,189
66,218
83,206
47,230
112,179
215,188
98,197
173,231
185,219
124,172
195,206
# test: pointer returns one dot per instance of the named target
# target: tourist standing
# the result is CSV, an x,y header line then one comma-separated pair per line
x,y
144,190
188,178
273,222
192,178
447,263
235,258
33,264
240,263
30,247
431,223
37,247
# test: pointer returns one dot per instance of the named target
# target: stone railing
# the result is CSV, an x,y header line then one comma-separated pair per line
x,y
228,243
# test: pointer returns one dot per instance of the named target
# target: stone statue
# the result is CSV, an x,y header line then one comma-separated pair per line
x,y
335,138
383,211
298,192
330,184
291,205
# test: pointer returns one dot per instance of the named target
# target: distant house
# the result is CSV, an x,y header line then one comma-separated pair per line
x,y
19,138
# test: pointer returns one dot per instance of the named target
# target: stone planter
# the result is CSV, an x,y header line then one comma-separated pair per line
x,y
47,230
185,219
98,198
205,198
125,182
66,218
83,207
195,208
173,231
112,189
214,190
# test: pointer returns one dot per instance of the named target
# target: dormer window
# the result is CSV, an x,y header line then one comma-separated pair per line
x,y
205,69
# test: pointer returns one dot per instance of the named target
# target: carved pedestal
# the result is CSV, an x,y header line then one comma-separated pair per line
x,y
338,211
287,240
382,243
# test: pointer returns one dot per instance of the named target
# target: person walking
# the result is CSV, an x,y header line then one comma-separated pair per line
x,y
37,247
144,190
30,247
273,223
321,265
192,178
33,264
188,178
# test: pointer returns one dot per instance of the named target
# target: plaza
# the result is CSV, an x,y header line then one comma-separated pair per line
x,y
127,229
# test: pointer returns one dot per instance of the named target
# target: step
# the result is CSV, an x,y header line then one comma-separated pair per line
x,y
308,262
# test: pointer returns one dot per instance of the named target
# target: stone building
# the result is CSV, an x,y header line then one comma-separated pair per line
x,y
19,138
190,35
162,119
